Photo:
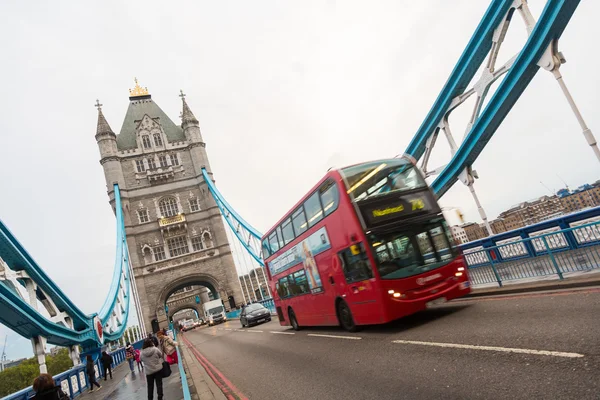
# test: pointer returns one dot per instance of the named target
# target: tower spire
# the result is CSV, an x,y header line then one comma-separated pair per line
x,y
102,127
186,114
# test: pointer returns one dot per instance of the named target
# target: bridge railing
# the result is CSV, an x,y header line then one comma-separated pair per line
x,y
566,251
74,382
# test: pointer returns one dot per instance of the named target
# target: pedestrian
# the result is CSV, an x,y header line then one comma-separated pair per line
x,y
107,361
130,355
168,347
45,389
154,339
91,373
152,358
138,360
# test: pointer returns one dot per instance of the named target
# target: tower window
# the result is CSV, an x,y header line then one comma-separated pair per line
x,y
163,161
146,142
139,164
194,205
151,163
159,253
143,216
168,207
157,140
174,159
178,246
197,243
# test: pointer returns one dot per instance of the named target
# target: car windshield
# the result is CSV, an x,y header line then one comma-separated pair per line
x,y
418,249
376,178
216,310
254,307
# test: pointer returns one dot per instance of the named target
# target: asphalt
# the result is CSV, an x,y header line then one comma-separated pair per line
x,y
504,358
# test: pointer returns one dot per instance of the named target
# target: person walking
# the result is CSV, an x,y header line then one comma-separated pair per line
x,y
168,347
130,355
107,361
152,358
45,389
138,360
91,373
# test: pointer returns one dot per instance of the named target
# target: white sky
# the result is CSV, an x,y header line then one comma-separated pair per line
x,y
283,91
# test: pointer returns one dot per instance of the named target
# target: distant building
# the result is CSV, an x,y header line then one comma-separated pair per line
x,y
473,231
498,226
254,285
459,235
583,197
9,364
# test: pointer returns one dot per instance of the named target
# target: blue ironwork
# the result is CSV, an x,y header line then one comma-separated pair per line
x,y
245,233
552,255
75,327
75,389
184,384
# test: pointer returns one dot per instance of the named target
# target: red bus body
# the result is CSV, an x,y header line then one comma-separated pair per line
x,y
372,300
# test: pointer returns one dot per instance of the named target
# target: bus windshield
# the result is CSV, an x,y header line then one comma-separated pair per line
x,y
413,251
376,178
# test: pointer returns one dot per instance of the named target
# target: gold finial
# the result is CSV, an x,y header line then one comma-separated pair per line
x,y
138,90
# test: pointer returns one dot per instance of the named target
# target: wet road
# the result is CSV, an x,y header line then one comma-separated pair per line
x,y
512,347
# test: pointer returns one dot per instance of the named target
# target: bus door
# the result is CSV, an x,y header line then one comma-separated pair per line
x,y
360,290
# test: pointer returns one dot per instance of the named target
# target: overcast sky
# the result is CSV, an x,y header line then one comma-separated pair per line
x,y
282,90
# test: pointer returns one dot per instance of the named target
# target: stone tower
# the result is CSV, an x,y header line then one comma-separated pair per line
x,y
175,233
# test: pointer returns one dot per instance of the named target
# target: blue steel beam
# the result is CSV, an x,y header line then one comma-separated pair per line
x,y
466,67
550,26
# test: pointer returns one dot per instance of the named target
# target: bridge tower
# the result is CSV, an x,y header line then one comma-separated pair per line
x,y
175,232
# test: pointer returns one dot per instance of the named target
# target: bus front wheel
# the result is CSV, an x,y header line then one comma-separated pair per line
x,y
293,320
345,317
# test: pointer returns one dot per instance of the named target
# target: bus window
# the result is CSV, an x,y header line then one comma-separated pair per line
x,y
284,287
280,237
288,231
314,213
273,242
299,221
329,197
356,267
301,282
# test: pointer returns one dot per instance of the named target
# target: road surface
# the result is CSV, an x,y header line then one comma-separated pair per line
x,y
539,346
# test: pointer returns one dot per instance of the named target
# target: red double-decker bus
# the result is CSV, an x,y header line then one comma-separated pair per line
x,y
367,245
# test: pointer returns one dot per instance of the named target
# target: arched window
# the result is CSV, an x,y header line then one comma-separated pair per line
x,y
157,140
168,207
206,238
146,141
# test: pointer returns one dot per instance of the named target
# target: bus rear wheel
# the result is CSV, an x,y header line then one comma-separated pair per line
x,y
345,317
293,320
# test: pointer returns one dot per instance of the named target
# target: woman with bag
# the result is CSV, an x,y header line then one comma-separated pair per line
x,y
152,358
168,347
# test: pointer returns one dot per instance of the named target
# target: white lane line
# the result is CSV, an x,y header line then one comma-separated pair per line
x,y
335,336
227,329
255,331
283,333
493,348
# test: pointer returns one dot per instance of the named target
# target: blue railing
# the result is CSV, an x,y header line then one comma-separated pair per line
x,y
566,251
184,384
74,382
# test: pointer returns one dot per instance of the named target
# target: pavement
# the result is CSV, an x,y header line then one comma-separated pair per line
x,y
132,386
543,345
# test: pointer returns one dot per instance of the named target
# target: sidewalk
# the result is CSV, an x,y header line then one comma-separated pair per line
x,y
128,385
201,385
588,279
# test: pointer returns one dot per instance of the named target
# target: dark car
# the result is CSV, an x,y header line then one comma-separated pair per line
x,y
254,314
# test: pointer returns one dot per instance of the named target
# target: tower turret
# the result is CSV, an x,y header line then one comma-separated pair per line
x,y
109,155
191,129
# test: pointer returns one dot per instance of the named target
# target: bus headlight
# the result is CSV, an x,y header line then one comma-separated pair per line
x,y
461,268
390,292
458,274
397,295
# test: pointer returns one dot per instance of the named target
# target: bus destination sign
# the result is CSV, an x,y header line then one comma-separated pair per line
x,y
388,210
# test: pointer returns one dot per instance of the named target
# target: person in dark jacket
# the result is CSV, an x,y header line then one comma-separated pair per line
x,y
153,358
107,361
154,339
45,389
91,373
130,355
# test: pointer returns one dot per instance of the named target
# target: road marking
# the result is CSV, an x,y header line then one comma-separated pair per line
x,y
493,348
336,336
227,329
255,331
283,333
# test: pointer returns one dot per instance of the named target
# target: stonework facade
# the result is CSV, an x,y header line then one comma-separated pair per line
x,y
175,233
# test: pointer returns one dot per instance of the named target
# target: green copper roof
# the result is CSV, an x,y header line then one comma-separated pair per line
x,y
138,107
